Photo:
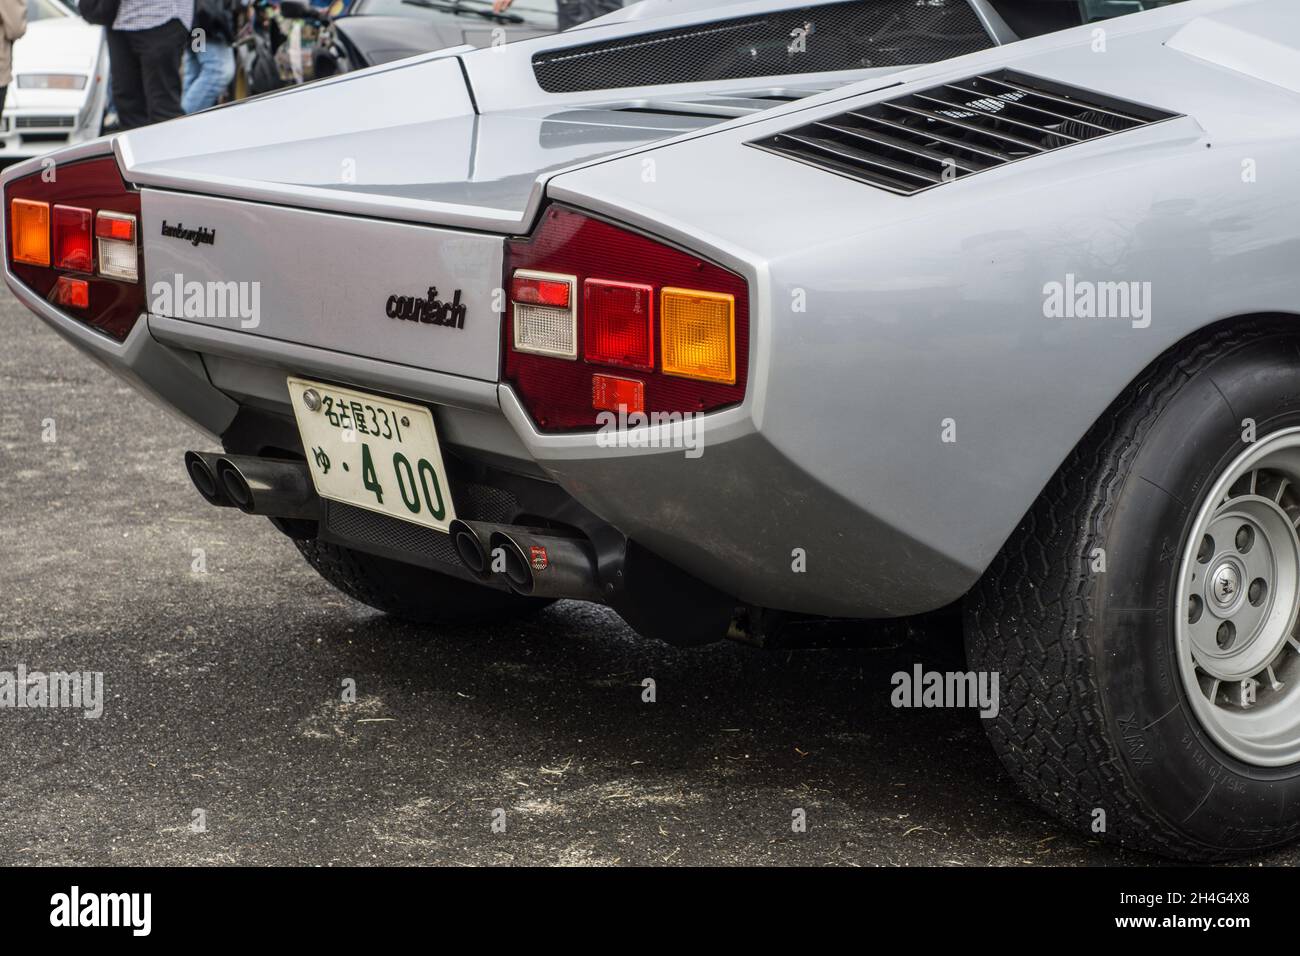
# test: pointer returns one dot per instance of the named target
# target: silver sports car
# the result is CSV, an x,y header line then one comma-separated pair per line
x,y
736,319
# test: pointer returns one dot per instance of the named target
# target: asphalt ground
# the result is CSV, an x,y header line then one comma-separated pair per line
x,y
225,736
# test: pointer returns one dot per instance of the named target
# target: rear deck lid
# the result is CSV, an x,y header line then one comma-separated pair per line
x,y
405,143
406,294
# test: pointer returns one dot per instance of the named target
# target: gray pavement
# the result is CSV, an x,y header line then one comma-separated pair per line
x,y
224,695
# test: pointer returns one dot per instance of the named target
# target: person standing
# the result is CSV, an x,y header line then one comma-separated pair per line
x,y
13,24
145,45
209,59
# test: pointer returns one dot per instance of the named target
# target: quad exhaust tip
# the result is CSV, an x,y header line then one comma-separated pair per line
x,y
235,485
534,562
470,547
518,570
256,486
203,471
541,563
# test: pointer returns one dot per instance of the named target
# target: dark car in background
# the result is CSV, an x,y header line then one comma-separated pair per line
x,y
370,32
294,41
379,31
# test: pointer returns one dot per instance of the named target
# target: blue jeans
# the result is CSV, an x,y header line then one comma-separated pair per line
x,y
207,74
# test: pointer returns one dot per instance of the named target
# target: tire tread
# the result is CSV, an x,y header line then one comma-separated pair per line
x,y
1025,617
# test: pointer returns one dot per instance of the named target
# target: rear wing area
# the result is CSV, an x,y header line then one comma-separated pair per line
x,y
716,47
468,138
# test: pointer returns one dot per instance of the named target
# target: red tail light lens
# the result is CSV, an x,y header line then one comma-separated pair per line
x,y
618,325
623,276
536,290
611,393
79,200
114,225
73,249
70,292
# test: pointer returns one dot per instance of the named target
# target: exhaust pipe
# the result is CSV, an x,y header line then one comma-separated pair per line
x,y
472,540
533,562
202,468
627,578
268,486
546,565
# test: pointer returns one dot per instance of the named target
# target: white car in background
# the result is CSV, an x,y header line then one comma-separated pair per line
x,y
60,83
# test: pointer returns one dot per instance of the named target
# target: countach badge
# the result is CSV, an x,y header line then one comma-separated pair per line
x,y
428,309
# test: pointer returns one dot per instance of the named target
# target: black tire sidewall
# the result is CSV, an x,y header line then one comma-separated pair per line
x,y
1181,773
410,592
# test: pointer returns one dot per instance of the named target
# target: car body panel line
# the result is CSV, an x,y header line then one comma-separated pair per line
x,y
407,381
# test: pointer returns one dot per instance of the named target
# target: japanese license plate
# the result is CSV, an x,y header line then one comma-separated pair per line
x,y
373,453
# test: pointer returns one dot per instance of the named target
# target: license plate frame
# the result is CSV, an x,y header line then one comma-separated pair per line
x,y
373,452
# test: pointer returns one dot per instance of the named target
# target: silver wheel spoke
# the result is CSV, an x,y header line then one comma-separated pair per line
x,y
1239,588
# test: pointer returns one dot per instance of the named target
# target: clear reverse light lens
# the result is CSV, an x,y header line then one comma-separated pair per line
x,y
117,257
547,329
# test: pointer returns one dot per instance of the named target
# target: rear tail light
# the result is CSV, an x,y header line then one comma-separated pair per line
x,y
71,293
618,325
613,394
545,314
73,250
540,289
29,231
114,225
74,240
655,329
115,235
699,337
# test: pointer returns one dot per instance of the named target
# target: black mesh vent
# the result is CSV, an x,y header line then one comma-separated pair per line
x,y
474,502
364,527
837,36
958,129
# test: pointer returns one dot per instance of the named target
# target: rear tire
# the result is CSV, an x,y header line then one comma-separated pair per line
x,y
409,592
1086,614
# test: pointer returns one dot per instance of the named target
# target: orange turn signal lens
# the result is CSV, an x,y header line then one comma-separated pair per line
x,y
697,331
30,222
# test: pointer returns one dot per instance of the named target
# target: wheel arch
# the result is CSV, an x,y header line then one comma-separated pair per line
x,y
1252,325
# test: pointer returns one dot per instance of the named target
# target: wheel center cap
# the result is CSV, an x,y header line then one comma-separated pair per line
x,y
1225,585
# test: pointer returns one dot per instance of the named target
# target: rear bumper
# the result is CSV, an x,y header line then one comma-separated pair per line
x,y
737,516
733,517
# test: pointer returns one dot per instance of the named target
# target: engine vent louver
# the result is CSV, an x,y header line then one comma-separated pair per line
x,y
955,130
